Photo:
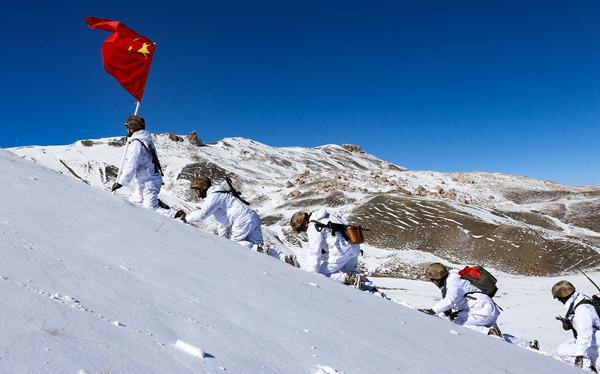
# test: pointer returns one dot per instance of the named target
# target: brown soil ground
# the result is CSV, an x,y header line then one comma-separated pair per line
x,y
436,227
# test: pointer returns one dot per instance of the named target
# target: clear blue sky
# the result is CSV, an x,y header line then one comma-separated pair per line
x,y
509,86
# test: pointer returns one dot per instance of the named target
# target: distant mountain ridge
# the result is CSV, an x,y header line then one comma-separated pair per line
x,y
516,224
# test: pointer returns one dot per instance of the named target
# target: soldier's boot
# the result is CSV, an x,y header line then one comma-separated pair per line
x,y
495,331
350,279
534,344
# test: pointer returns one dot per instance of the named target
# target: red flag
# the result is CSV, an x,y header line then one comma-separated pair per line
x,y
126,55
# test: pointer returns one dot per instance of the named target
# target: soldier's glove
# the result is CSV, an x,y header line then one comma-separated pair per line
x,y
579,362
451,314
431,312
566,324
115,187
180,215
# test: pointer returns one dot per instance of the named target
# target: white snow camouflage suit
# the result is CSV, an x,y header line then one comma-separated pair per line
x,y
586,322
235,220
138,165
476,310
341,256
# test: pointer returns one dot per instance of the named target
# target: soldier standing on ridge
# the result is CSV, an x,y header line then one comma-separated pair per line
x,y
582,319
141,163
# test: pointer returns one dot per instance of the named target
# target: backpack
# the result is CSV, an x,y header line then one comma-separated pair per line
x,y
595,302
480,278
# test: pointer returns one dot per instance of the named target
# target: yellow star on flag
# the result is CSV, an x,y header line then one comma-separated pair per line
x,y
144,50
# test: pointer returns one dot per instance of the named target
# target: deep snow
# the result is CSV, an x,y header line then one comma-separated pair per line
x,y
92,283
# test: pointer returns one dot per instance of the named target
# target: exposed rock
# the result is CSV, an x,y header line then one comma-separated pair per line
x,y
194,140
421,191
88,143
216,173
352,148
289,184
272,220
70,170
118,142
294,193
110,173
403,191
393,167
451,194
174,137
440,190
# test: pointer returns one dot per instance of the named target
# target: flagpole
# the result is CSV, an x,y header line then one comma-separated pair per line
x,y
137,108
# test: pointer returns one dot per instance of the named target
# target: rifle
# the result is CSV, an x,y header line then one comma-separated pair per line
x,y
234,192
590,279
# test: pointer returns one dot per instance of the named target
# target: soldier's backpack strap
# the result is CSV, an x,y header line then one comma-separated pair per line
x,y
153,154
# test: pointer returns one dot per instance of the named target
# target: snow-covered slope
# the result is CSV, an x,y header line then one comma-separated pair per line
x,y
516,224
91,283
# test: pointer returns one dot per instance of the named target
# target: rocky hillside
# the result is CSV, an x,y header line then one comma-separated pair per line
x,y
516,224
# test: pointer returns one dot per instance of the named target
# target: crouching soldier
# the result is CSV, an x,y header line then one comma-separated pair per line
x,y
329,252
582,319
235,220
141,163
461,301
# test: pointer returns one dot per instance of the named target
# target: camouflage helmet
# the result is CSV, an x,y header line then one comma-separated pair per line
x,y
298,220
435,271
201,182
563,289
135,123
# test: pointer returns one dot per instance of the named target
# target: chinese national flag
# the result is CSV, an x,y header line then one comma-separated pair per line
x,y
126,55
